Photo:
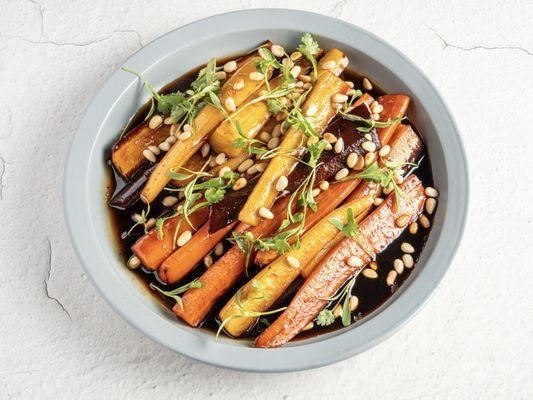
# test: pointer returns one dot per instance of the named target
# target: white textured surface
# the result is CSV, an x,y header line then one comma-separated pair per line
x,y
60,340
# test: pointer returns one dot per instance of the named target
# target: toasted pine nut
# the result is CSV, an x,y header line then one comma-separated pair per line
x,y
164,146
245,165
350,84
208,261
273,143
384,151
431,192
174,130
295,55
171,139
185,135
206,148
408,260
239,84
391,277
221,75
329,137
239,184
293,262
305,78
378,201
370,273
149,156
339,145
375,107
366,84
354,262
402,220
264,136
261,167
169,201
360,164
316,192
219,249
337,311
295,71
388,189
184,238
431,204
413,228
133,262
398,265
266,213
324,185
155,150
223,171
220,158
424,221
155,121
407,248
339,98
353,303
136,217
282,183
230,66
343,173
169,121
256,76
369,146
277,50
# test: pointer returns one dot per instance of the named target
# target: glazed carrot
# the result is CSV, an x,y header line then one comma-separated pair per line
x,y
224,273
195,163
208,118
376,232
394,106
184,259
406,147
319,99
153,250
260,293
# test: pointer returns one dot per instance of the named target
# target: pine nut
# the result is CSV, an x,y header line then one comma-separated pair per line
x,y
413,228
174,129
212,163
375,117
219,249
370,273
299,84
431,192
376,108
305,78
350,84
388,189
230,66
276,132
398,265
184,238
368,136
370,158
266,213
384,151
402,220
230,104
311,110
337,311
150,223
220,158
373,265
407,248
339,145
391,277
315,192
408,260
239,84
245,165
295,71
309,326
155,121
424,221
295,55
353,303
369,146
169,201
328,64
256,76
273,143
208,261
329,137
155,150
264,136
220,75
136,217
239,183
277,50
185,135
169,121
343,173
350,92
354,262
252,170
171,139
261,167
149,156
164,146
206,148
293,262
360,164
287,63
133,262
378,201
324,185
339,98
223,171
431,204
366,84
282,183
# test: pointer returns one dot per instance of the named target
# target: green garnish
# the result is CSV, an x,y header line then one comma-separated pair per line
x,y
350,229
142,221
325,318
369,122
175,293
309,48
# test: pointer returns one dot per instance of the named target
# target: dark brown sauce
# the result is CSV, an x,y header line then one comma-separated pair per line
x,y
372,293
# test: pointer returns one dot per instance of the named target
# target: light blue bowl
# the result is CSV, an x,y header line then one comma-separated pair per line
x,y
175,54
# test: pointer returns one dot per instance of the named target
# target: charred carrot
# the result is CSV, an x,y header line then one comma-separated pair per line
x,y
394,106
153,249
184,259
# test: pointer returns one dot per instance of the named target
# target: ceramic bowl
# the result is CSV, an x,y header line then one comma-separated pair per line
x,y
181,50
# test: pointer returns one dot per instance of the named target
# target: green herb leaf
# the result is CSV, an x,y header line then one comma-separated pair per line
x,y
309,48
175,293
350,229
325,318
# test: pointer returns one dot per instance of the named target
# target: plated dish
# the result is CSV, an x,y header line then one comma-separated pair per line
x,y
272,196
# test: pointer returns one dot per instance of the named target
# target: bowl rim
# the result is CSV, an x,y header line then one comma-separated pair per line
x,y
225,354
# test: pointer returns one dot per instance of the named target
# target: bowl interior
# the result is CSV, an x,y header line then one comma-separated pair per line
x,y
175,54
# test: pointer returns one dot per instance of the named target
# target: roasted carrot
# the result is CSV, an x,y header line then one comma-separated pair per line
x,y
320,97
223,274
184,259
260,293
394,106
153,249
205,122
376,232
195,163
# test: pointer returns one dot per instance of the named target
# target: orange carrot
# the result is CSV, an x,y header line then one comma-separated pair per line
x,y
153,249
394,106
376,232
183,260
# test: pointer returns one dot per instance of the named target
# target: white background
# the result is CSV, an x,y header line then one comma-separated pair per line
x,y
60,340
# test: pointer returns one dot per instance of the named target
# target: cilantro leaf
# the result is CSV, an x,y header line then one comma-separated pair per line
x,y
309,48
325,318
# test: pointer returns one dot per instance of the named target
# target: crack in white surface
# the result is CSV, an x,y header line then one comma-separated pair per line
x,y
41,13
47,279
480,46
3,164
338,8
